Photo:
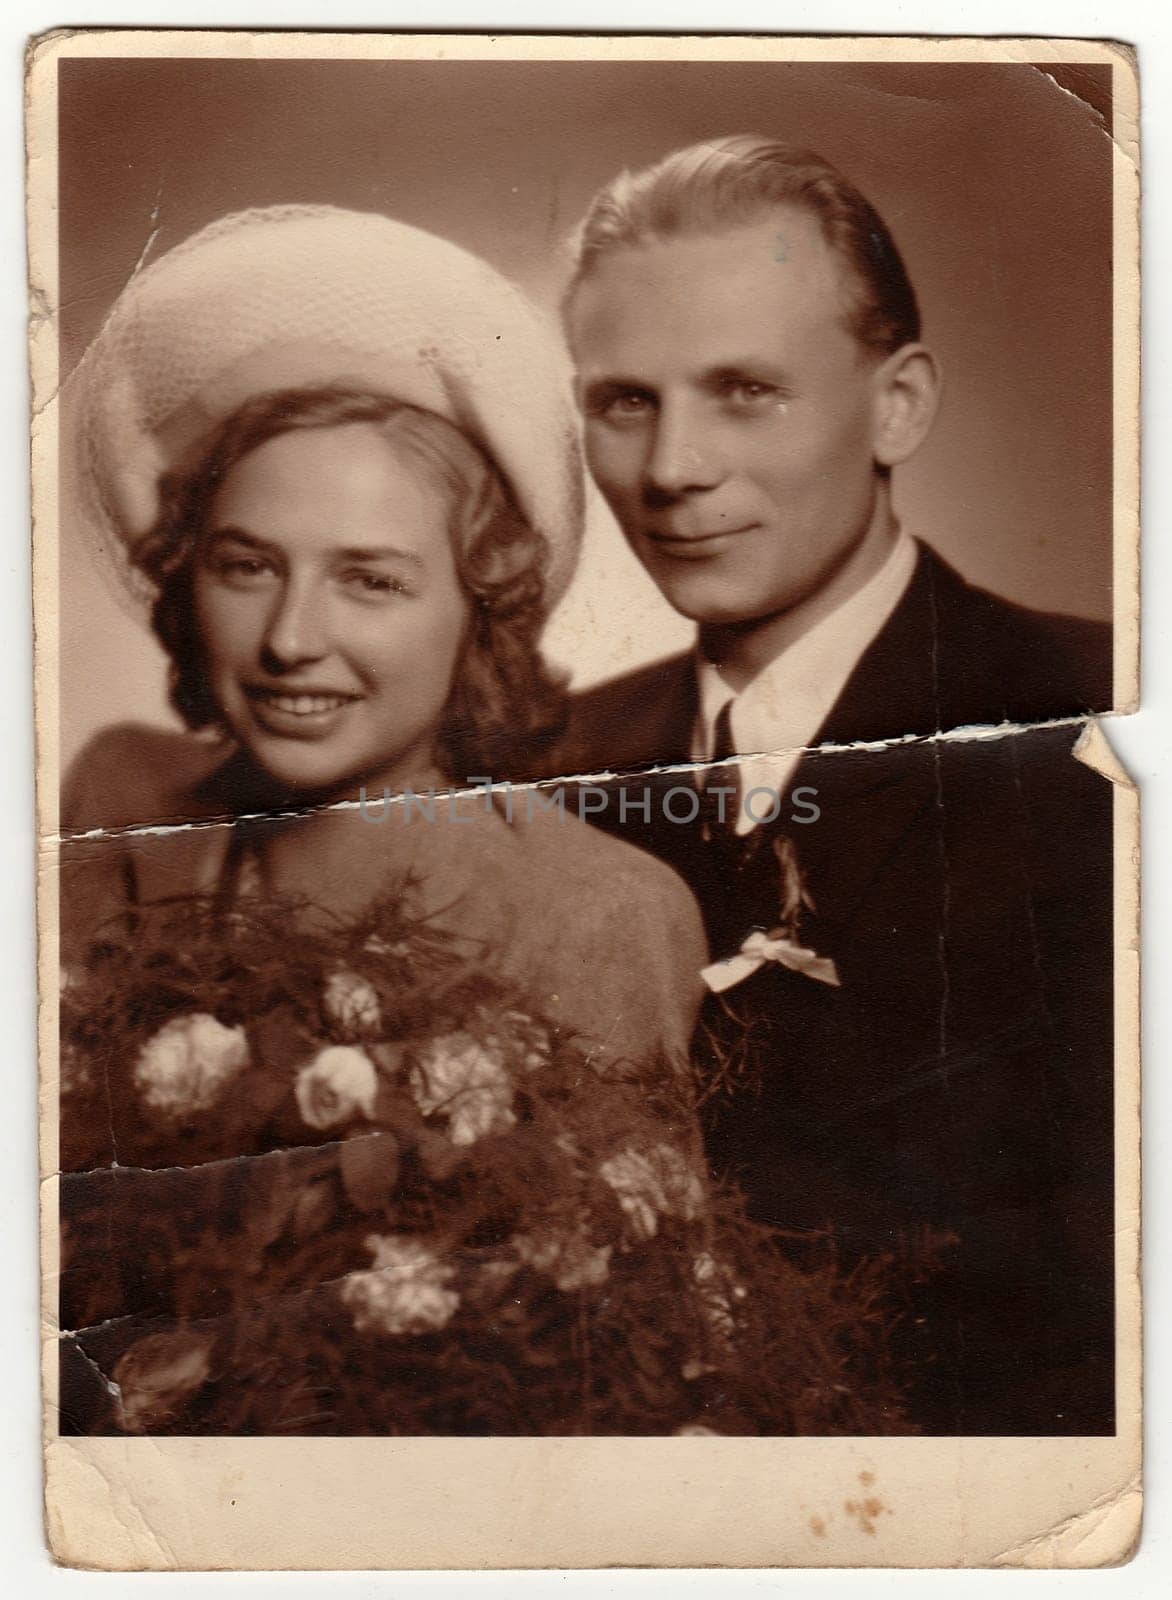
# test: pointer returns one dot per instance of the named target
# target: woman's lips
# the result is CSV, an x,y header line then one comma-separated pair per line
x,y
301,702
303,711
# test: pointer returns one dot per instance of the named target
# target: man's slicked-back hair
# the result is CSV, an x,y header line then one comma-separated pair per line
x,y
726,183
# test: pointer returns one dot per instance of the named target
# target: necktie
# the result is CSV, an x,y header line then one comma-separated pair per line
x,y
714,806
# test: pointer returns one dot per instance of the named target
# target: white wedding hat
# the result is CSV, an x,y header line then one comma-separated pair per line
x,y
308,296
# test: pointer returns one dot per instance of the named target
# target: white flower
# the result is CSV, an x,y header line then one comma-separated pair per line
x,y
531,1037
456,1075
188,1062
477,1113
351,1003
569,1259
158,1375
713,1282
404,1293
338,1082
648,1185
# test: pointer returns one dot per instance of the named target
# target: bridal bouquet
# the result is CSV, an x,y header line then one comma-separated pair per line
x,y
339,1180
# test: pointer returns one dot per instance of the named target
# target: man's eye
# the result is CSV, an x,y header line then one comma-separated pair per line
x,y
629,406
750,392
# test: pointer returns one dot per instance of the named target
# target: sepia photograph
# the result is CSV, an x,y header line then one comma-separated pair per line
x,y
581,586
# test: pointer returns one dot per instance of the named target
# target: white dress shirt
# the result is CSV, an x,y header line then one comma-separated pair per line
x,y
778,713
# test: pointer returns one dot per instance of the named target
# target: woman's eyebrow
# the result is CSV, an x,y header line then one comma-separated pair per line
x,y
353,552
382,552
239,536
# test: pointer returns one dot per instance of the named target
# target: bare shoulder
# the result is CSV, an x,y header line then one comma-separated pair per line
x,y
135,773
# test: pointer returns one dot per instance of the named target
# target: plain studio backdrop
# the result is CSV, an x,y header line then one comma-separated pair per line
x,y
995,180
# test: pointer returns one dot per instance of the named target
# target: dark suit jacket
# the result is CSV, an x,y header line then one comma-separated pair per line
x,y
958,1085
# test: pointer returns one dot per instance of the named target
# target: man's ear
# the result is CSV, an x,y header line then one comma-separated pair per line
x,y
907,393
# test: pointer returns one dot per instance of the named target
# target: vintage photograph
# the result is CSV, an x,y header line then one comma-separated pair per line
x,y
585,897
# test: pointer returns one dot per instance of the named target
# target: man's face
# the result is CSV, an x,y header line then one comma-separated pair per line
x,y
729,413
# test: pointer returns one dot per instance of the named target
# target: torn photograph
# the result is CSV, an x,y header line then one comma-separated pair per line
x,y
587,914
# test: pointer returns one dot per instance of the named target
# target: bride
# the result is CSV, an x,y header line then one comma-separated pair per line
x,y
339,457
328,975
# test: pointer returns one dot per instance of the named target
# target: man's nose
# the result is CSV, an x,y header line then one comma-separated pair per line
x,y
295,631
681,457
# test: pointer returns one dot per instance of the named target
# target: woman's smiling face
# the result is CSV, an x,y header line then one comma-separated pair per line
x,y
330,609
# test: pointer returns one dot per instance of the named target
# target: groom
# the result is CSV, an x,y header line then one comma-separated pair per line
x,y
914,1047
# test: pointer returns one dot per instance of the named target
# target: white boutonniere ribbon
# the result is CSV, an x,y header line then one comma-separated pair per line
x,y
760,948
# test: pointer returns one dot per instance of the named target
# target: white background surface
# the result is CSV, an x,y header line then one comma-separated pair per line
x,y
1144,743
